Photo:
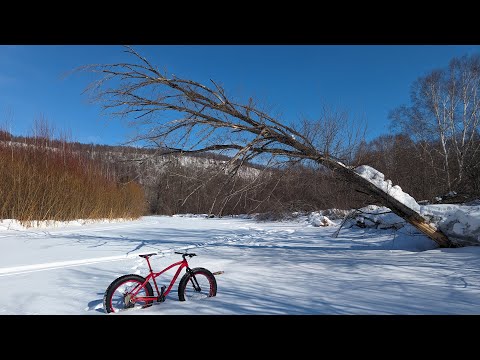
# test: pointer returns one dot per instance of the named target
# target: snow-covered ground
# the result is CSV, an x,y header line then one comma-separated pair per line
x,y
290,267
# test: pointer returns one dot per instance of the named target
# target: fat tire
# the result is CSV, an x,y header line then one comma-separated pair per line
x,y
114,285
184,281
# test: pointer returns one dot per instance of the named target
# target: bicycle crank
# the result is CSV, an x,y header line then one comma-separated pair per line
x,y
128,301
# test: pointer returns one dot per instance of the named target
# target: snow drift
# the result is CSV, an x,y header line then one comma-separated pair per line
x,y
460,223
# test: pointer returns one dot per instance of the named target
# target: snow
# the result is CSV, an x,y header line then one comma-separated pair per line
x,y
378,179
317,219
379,217
461,223
458,222
288,267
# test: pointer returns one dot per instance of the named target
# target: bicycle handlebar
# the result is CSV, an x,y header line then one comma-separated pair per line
x,y
185,254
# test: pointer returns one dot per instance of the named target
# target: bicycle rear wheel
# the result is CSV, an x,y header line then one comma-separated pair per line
x,y
118,294
197,285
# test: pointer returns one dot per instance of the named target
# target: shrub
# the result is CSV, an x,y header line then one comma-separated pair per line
x,y
39,182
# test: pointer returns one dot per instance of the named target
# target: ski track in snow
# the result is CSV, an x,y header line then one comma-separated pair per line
x,y
16,270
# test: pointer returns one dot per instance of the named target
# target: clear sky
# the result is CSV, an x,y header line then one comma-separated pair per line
x,y
367,81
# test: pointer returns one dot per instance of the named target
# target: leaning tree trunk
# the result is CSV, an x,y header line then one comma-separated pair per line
x,y
349,175
410,215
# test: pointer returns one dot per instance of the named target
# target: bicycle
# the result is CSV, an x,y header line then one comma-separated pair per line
x,y
135,291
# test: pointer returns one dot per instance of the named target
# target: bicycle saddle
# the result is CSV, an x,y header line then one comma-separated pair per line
x,y
146,256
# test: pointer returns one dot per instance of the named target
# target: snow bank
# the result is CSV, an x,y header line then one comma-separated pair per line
x,y
378,179
317,219
461,223
188,215
13,224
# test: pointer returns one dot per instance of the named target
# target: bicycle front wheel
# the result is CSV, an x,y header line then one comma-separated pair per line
x,y
119,293
198,284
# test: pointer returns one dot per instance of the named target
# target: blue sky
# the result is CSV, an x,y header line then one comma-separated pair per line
x,y
367,81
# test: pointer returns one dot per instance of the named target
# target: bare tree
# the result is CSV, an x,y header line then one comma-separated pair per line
x,y
184,116
444,117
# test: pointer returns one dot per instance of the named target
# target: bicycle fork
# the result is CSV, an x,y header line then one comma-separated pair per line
x,y
194,281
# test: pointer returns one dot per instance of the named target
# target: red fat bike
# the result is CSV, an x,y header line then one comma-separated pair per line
x,y
134,291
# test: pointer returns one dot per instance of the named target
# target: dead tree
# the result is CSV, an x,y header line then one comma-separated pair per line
x,y
184,116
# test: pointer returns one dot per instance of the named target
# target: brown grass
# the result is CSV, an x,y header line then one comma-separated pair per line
x,y
39,182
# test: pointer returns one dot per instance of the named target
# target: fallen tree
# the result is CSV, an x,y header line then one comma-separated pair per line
x,y
199,118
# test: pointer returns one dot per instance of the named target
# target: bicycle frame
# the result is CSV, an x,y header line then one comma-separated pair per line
x,y
153,275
